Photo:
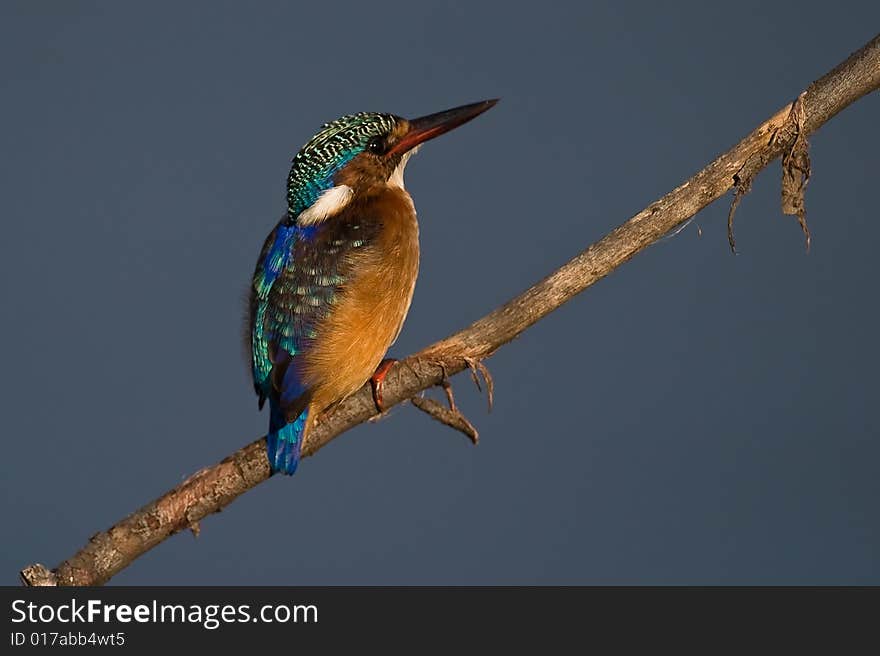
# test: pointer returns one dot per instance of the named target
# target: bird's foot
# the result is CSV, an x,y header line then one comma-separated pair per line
x,y
378,380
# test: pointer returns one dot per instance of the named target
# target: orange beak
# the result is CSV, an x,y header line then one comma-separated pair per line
x,y
433,125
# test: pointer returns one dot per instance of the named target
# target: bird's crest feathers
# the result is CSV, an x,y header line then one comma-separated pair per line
x,y
336,144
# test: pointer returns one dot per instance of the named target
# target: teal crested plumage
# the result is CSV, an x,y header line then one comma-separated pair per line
x,y
335,276
334,146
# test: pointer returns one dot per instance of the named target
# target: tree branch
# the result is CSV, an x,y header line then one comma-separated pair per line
x,y
210,489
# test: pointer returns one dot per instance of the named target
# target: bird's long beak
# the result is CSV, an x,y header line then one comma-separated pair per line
x,y
433,125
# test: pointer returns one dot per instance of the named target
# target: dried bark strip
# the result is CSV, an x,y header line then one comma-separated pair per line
x,y
211,489
796,170
791,138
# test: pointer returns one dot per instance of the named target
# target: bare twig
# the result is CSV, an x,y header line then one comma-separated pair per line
x,y
451,416
215,487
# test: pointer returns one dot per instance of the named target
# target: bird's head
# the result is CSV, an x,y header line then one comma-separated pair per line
x,y
358,152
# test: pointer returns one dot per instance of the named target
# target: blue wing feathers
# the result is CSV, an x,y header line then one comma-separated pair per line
x,y
286,299
299,277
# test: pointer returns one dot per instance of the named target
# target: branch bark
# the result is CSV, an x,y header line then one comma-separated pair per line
x,y
211,489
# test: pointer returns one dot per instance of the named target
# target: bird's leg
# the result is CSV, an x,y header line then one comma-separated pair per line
x,y
378,380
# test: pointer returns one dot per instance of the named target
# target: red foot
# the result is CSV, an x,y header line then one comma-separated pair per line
x,y
378,380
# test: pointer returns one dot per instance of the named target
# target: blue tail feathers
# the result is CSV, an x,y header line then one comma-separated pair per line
x,y
284,440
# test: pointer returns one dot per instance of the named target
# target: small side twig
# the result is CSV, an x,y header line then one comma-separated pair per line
x,y
451,416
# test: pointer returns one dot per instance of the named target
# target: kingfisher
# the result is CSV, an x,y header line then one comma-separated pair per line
x,y
335,277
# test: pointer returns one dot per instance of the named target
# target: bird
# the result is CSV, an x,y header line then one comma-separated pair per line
x,y
335,278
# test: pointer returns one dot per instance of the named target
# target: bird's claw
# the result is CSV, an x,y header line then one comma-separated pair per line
x,y
378,380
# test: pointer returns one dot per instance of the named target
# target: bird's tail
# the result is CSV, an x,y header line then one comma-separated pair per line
x,y
284,440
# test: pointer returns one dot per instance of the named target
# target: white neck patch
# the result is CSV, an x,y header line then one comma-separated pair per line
x,y
396,179
330,202
335,199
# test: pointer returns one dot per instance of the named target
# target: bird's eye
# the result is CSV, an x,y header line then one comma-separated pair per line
x,y
376,145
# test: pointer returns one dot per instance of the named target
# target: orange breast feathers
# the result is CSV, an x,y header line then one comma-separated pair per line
x,y
373,305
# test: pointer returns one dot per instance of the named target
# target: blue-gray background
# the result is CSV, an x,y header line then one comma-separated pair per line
x,y
695,418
